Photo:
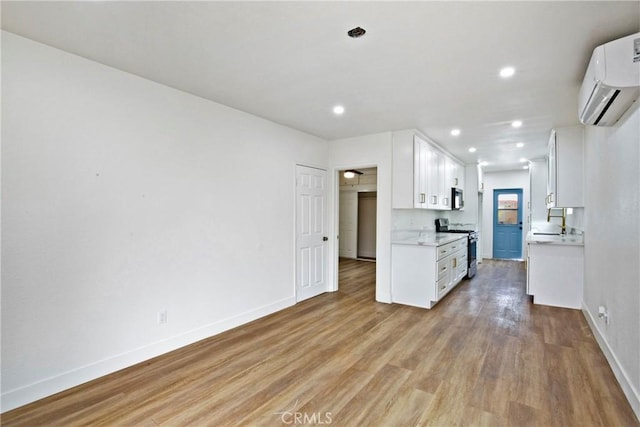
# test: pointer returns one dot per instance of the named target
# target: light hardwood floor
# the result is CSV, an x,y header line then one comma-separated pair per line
x,y
483,356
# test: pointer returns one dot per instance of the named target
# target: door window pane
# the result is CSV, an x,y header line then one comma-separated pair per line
x,y
507,209
507,201
507,216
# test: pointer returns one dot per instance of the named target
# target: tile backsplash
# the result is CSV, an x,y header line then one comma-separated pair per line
x,y
415,219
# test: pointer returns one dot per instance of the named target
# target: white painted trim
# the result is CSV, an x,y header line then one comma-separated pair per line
x,y
629,391
38,390
334,228
336,221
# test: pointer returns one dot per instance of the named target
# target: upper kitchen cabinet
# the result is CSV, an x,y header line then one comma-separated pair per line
x,y
565,168
409,171
454,174
423,175
437,197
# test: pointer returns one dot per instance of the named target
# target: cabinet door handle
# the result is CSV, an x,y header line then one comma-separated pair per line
x,y
434,200
445,201
551,198
455,262
456,181
422,197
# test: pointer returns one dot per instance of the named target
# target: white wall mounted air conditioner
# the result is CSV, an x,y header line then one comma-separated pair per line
x,y
611,83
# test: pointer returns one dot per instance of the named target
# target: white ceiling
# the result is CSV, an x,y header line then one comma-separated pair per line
x,y
426,65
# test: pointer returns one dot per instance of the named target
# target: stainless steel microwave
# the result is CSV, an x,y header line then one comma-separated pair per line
x,y
457,200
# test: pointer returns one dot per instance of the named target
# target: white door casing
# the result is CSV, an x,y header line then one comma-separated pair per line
x,y
311,232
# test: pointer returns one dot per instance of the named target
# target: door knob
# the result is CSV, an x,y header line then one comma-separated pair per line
x,y
325,238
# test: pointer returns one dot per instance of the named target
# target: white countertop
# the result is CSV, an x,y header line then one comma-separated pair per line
x,y
534,237
429,239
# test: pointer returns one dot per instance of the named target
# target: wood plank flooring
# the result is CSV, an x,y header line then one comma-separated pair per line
x,y
483,356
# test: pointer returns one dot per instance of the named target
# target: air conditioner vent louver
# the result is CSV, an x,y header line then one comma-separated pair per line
x,y
606,107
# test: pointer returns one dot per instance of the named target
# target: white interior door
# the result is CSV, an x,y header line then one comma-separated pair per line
x,y
311,232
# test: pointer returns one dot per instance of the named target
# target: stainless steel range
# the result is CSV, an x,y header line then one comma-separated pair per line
x,y
442,226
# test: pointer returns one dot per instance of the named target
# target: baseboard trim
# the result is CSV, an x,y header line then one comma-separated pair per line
x,y
30,393
628,389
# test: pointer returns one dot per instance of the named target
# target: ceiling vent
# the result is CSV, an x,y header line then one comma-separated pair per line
x,y
356,32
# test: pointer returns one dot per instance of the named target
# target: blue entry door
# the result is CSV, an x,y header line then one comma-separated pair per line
x,y
507,223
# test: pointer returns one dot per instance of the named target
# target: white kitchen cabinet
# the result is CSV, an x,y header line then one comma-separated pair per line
x,y
420,173
422,275
409,181
454,174
458,177
555,274
565,168
550,199
423,175
436,196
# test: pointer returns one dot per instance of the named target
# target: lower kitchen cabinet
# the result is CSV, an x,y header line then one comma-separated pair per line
x,y
555,274
422,275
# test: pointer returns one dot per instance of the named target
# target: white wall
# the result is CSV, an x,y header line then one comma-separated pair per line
x,y
538,193
359,152
416,219
612,245
121,198
367,223
495,181
348,229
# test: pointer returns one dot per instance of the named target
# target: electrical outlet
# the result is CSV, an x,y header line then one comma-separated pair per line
x,y
603,314
162,317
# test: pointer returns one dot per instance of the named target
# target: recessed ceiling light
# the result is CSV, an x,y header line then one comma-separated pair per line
x,y
516,123
472,149
349,174
455,132
520,144
507,72
338,109
484,163
522,160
